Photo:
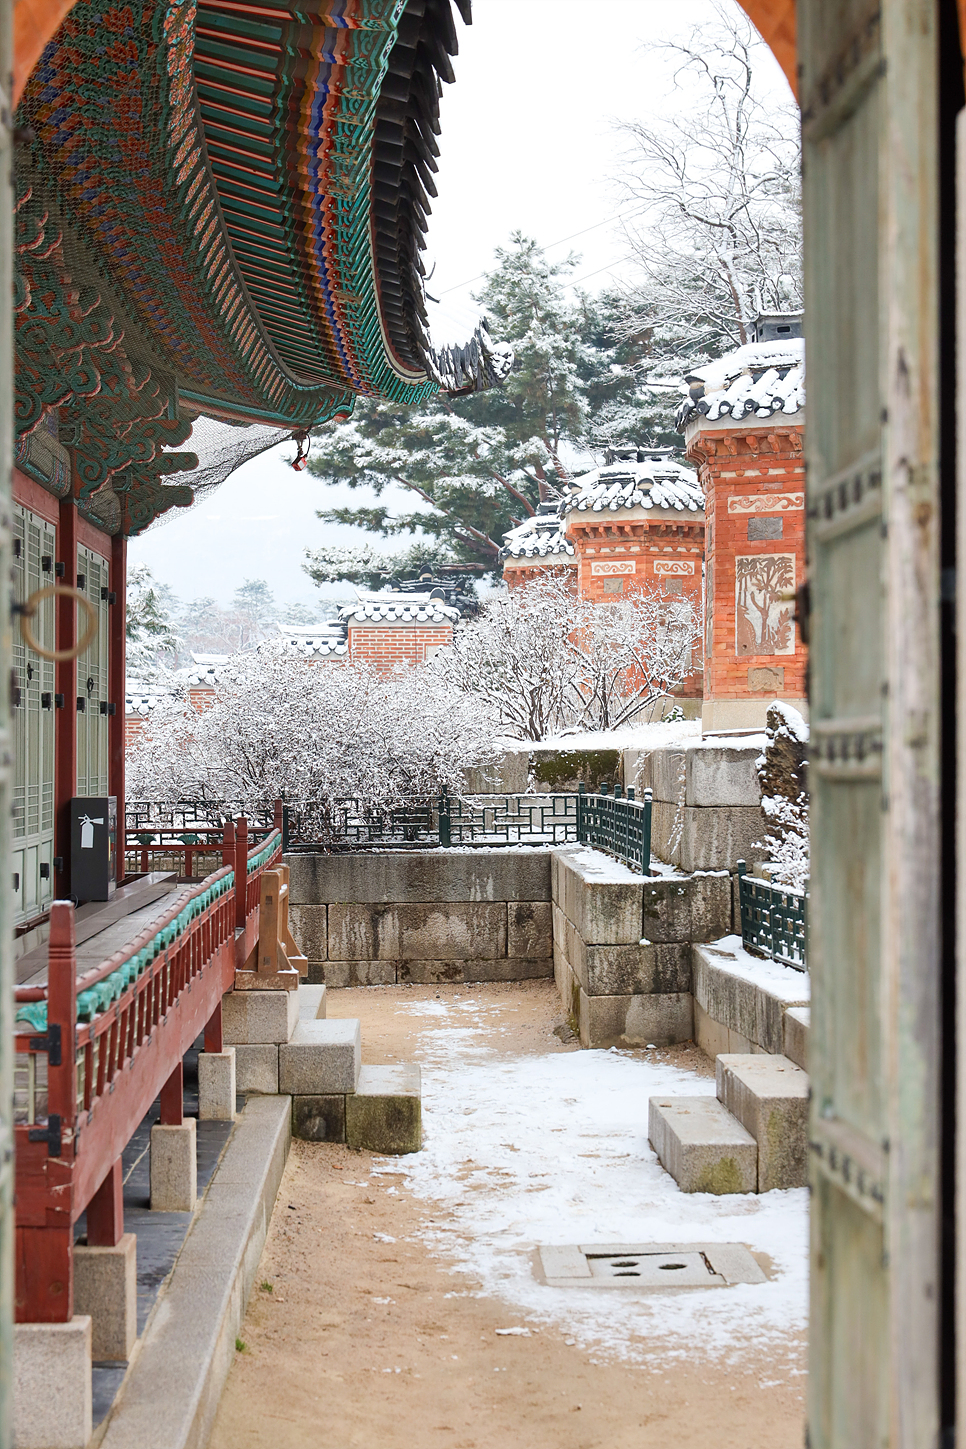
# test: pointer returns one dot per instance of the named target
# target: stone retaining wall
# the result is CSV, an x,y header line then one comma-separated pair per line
x,y
397,916
622,946
707,802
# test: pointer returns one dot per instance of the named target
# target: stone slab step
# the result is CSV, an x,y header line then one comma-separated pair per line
x,y
797,1024
322,1058
702,1146
311,1003
769,1097
384,1114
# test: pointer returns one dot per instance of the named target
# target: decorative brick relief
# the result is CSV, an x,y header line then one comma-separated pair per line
x,y
763,610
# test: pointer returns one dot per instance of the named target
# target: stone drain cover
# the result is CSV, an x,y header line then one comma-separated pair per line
x,y
649,1266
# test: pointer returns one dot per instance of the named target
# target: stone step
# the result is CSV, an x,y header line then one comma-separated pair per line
x,y
702,1146
322,1058
259,1018
384,1114
311,1003
768,1095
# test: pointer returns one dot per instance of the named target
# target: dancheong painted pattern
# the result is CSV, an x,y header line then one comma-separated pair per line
x,y
220,212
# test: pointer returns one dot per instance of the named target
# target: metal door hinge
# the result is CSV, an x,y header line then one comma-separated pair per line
x,y
50,1044
52,1134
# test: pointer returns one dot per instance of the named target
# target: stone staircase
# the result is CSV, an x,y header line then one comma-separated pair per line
x,y
284,1043
752,1136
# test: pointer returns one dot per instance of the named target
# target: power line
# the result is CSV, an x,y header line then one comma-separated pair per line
x,y
618,216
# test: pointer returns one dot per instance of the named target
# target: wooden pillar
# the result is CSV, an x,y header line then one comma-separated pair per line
x,y
118,669
105,1211
172,1098
214,1036
65,739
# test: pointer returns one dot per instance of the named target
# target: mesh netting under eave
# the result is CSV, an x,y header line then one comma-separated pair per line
x,y
220,448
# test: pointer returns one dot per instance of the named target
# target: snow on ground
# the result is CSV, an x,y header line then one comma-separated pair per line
x,y
522,1151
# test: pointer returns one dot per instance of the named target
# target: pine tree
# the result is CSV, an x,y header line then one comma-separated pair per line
x,y
479,465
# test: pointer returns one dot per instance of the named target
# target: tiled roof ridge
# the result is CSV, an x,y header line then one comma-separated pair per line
x,y
623,484
761,378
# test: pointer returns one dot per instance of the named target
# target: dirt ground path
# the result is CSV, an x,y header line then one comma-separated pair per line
x,y
358,1334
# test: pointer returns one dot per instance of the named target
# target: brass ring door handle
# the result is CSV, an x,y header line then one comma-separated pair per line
x,y
29,609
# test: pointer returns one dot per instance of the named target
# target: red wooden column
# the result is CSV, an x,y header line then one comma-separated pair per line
x,y
118,670
45,1254
105,1211
65,736
172,1098
214,1035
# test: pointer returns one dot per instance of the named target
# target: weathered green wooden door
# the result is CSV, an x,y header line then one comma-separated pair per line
x,y
93,679
34,552
869,113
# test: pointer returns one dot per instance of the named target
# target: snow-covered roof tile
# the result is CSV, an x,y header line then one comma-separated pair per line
x,y
541,536
763,378
393,607
645,479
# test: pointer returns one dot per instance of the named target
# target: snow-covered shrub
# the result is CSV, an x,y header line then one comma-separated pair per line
x,y
315,733
545,661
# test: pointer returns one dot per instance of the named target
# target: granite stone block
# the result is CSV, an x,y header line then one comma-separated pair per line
x,y
259,1018
769,1097
322,1059
256,1070
319,1118
702,1146
52,1395
106,1291
384,1114
436,931
529,928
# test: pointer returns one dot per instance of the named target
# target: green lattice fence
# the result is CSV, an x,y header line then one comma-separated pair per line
x,y
617,823
774,919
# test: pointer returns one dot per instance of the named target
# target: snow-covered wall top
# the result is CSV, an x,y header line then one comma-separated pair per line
x,y
314,641
401,608
654,483
763,378
541,536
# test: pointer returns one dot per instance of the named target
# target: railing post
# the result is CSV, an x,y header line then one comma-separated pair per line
x,y
268,913
741,868
581,806
646,838
241,871
278,816
228,844
285,829
62,1027
445,820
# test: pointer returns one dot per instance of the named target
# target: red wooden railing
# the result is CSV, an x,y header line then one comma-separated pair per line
x,y
167,846
85,1086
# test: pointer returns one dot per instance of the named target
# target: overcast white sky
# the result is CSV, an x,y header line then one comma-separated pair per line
x,y
528,141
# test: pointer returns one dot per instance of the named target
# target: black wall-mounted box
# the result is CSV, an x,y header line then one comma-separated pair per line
x,y
93,847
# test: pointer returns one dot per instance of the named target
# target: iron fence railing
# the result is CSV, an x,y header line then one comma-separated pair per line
x,y
605,818
774,919
441,820
617,823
